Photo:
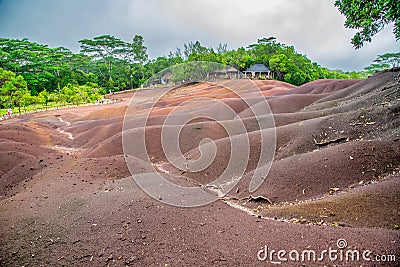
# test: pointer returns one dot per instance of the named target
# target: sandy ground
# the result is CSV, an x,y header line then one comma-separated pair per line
x,y
68,198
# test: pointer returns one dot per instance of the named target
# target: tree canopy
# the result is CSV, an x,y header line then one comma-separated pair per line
x,y
13,89
35,73
385,61
370,16
108,63
14,93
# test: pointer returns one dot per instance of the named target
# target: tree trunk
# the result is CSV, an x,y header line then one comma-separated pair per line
x,y
109,69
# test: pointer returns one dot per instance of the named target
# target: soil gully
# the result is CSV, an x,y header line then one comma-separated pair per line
x,y
60,213
64,149
67,123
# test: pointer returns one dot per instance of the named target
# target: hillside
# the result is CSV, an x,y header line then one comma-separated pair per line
x,y
68,198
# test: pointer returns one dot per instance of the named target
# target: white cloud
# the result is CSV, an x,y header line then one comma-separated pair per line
x,y
314,27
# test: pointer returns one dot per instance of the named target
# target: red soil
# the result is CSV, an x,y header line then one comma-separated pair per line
x,y
67,197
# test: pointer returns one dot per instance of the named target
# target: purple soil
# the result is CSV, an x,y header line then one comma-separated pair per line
x,y
68,198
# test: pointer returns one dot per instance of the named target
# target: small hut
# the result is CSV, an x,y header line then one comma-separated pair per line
x,y
227,73
258,70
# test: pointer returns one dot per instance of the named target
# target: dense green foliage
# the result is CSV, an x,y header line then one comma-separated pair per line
x,y
14,93
115,61
371,16
35,73
43,67
285,63
385,61
13,90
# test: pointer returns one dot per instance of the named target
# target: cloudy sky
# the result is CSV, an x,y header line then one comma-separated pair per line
x,y
313,27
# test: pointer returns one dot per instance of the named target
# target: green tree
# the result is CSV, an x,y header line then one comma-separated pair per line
x,y
371,16
264,49
27,99
371,69
43,97
385,61
115,60
41,66
240,58
104,47
193,49
279,64
134,53
139,50
12,89
222,48
391,59
76,94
